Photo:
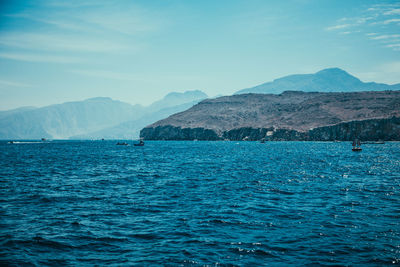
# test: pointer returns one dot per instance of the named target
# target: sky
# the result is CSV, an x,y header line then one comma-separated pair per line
x,y
138,51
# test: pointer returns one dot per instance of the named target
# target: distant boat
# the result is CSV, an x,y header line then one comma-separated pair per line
x,y
122,144
43,139
141,143
356,145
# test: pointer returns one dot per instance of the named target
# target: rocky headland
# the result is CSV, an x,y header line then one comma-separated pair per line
x,y
291,115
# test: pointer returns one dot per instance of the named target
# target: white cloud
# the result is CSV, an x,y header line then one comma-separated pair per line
x,y
395,11
386,36
379,23
393,45
391,21
337,27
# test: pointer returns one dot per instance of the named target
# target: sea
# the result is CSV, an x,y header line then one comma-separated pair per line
x,y
199,203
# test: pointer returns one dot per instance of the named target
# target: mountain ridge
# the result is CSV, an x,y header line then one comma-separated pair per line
x,y
326,80
81,118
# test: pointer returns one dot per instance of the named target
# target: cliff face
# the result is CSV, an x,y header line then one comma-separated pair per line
x,y
288,116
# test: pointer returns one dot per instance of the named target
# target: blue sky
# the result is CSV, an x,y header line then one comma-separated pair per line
x,y
138,51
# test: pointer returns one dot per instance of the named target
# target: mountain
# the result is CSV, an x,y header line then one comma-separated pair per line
x,y
131,129
15,111
63,120
287,116
175,99
170,104
99,117
327,80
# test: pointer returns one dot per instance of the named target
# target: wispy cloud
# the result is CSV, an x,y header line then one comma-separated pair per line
x,y
106,74
58,42
338,27
379,23
127,18
386,36
7,83
391,21
349,23
395,47
393,11
79,28
124,76
29,57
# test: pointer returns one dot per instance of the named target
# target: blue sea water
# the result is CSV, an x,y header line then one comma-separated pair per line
x,y
199,203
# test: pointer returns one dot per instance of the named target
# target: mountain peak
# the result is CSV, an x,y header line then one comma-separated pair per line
x,y
99,99
332,71
192,93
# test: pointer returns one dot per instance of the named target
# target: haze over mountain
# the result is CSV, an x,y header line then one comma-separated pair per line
x,y
327,80
131,129
80,118
15,111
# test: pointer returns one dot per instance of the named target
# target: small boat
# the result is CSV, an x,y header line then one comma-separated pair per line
x,y
141,143
122,144
357,145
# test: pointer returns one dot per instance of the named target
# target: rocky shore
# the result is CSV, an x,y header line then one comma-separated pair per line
x,y
371,130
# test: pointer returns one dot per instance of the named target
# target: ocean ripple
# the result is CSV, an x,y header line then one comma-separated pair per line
x,y
199,203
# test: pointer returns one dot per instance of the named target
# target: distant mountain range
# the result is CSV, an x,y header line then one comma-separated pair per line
x,y
99,117
327,80
102,117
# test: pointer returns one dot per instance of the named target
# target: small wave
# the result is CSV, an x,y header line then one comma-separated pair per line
x,y
146,236
38,241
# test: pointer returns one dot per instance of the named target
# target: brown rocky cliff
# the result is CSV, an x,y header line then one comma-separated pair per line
x,y
295,113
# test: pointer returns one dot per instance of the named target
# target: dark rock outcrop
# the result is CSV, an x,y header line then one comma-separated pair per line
x,y
367,130
371,130
177,133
